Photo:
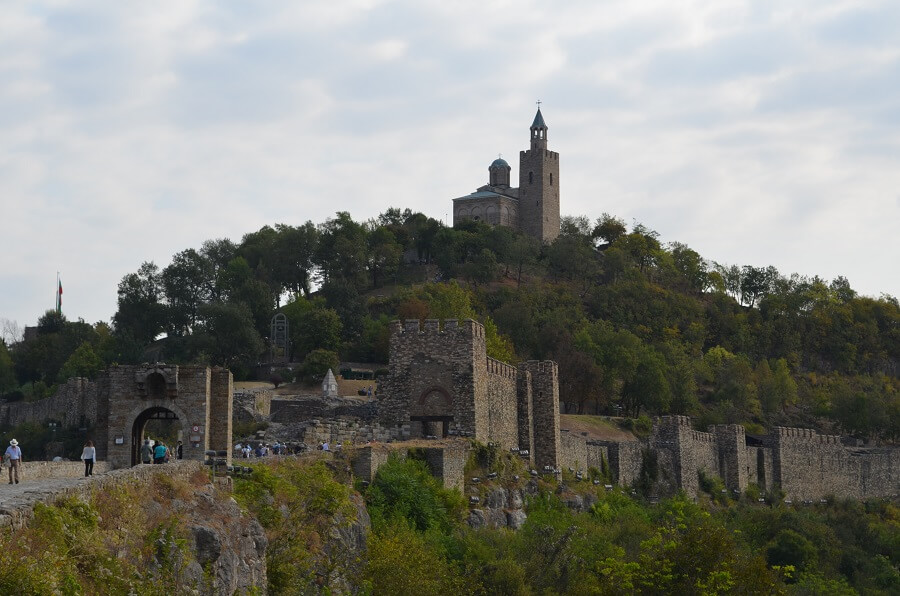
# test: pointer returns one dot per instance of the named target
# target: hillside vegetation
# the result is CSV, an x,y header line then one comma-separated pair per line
x,y
638,326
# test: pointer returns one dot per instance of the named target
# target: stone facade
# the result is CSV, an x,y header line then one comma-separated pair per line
x,y
442,383
802,463
533,207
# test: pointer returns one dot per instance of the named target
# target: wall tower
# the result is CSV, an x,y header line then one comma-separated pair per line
x,y
539,185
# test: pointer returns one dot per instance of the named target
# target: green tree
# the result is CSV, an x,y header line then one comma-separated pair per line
x,y
83,362
141,314
227,335
316,364
185,284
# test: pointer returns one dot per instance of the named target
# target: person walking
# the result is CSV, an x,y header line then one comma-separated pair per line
x,y
179,450
146,452
89,455
14,454
159,453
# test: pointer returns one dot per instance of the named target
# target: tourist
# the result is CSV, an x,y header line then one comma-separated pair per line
x,y
89,456
14,455
159,453
325,446
179,450
146,452
247,451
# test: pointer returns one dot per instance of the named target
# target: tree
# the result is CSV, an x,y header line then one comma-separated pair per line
x,y
608,228
141,315
341,253
384,254
186,284
228,335
316,364
294,253
83,362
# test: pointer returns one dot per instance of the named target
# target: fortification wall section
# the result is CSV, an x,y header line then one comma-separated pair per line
x,y
502,410
545,411
733,467
437,372
580,453
252,404
760,466
349,430
810,466
74,405
37,470
525,412
624,460
446,461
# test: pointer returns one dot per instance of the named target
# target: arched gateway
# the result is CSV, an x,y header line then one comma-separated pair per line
x,y
198,397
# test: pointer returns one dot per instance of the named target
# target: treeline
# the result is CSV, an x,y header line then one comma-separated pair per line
x,y
637,326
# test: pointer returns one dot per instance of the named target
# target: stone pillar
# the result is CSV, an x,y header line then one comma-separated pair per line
x,y
220,411
545,409
731,444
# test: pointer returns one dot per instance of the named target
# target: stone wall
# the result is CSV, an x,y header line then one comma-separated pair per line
x,y
545,411
35,470
252,404
809,466
74,405
502,410
580,453
446,461
349,430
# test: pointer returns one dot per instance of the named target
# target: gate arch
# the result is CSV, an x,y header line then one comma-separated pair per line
x,y
142,415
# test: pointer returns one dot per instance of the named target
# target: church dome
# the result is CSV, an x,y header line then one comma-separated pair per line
x,y
499,163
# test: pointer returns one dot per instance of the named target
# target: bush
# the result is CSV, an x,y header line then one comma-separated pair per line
x,y
405,489
316,364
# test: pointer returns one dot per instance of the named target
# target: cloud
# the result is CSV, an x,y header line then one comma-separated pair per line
x,y
755,132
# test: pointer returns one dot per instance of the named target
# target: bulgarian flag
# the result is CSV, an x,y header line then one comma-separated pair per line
x,y
58,295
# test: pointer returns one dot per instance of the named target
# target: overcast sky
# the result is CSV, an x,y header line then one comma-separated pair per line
x,y
756,132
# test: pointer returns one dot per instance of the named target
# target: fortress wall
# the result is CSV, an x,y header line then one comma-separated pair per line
x,y
573,451
349,430
525,412
545,411
252,403
624,460
221,409
424,357
502,410
448,463
760,467
811,466
73,404
732,462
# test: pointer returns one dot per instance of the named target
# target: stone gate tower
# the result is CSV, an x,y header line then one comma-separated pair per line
x,y
539,185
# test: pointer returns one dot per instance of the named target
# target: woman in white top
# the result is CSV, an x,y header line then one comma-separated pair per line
x,y
89,455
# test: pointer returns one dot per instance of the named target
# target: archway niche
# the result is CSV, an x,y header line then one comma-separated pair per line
x,y
156,386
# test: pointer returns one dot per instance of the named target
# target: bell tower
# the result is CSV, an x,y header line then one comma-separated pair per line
x,y
539,185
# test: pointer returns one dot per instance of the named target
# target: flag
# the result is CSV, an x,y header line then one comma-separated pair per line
x,y
58,296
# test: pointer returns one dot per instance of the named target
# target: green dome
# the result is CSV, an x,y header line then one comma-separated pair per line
x,y
499,163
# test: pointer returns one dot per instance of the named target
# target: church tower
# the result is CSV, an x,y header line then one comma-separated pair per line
x,y
539,185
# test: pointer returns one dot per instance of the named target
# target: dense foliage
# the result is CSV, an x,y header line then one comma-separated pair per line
x,y
418,544
637,326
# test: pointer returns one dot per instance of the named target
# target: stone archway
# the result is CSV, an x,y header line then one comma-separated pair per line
x,y
140,424
434,411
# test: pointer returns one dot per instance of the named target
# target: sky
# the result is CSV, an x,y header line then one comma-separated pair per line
x,y
756,132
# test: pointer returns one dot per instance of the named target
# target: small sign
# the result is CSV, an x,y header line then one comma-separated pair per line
x,y
195,428
195,438
120,440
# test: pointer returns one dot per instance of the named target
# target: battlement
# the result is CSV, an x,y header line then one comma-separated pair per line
x,y
500,368
432,328
536,367
683,421
702,437
804,435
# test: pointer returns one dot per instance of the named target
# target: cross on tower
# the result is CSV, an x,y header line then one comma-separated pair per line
x,y
539,102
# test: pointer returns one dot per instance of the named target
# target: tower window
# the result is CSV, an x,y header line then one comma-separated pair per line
x,y
551,179
530,177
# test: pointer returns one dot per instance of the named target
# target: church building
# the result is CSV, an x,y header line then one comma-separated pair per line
x,y
533,207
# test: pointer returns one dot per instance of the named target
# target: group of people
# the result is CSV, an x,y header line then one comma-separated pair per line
x,y
247,451
157,452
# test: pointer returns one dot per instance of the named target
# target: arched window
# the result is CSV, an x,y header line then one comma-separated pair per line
x,y
530,177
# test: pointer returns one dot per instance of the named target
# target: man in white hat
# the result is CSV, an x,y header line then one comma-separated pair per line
x,y
14,454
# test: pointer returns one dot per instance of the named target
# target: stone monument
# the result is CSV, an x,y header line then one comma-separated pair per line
x,y
329,385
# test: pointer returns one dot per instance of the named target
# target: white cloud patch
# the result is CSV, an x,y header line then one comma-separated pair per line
x,y
756,132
